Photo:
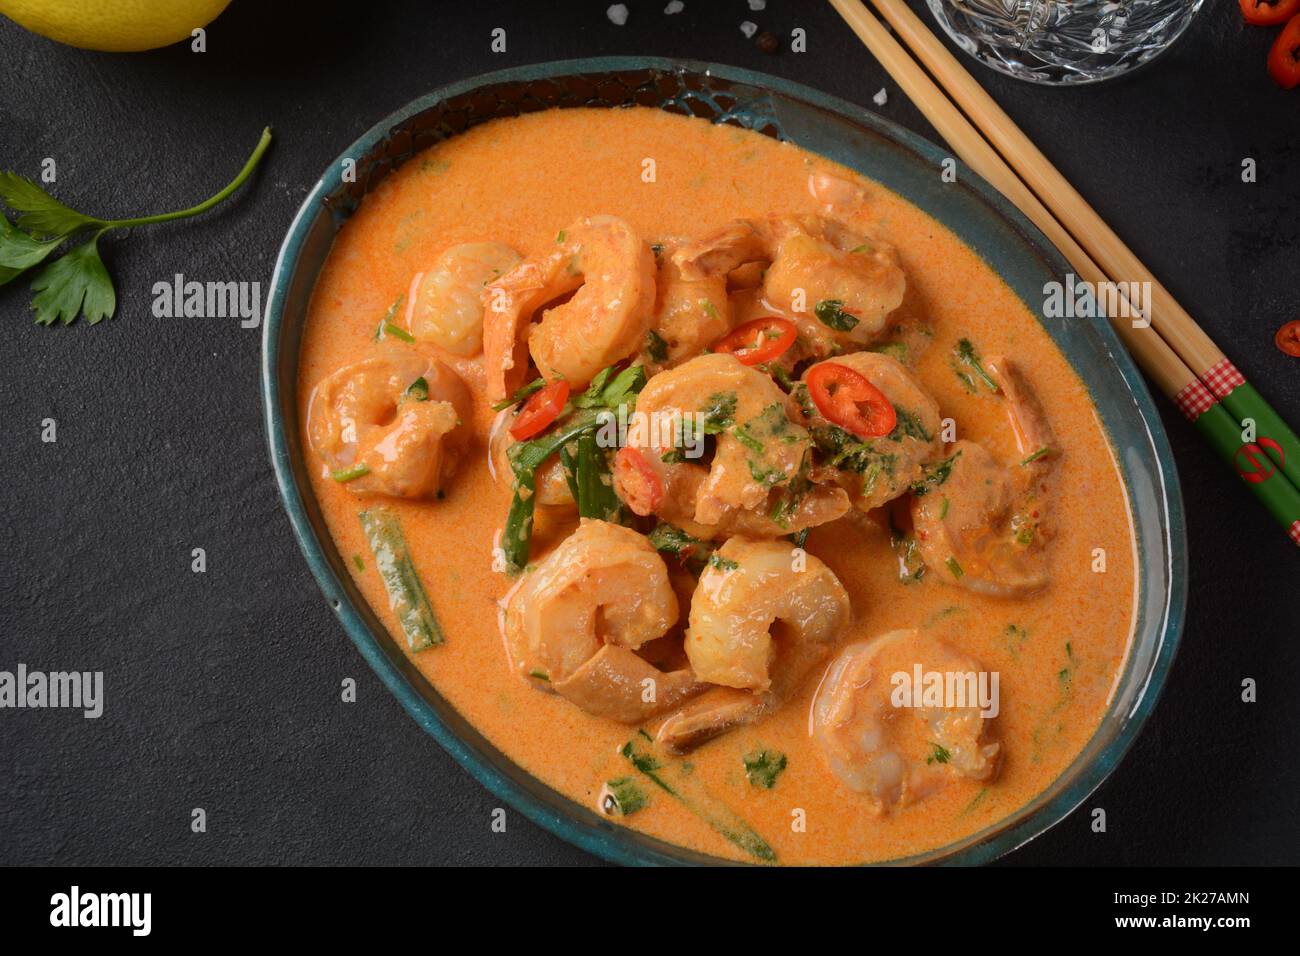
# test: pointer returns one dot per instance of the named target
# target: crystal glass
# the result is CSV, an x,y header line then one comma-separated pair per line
x,y
1064,41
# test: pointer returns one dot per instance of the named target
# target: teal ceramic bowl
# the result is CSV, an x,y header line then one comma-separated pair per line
x,y
849,135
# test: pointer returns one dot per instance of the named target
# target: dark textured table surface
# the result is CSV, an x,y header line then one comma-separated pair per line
x,y
222,689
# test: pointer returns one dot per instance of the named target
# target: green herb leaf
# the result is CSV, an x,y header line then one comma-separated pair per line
x,y
609,391
596,496
830,312
41,214
780,374
534,386
72,283
417,391
19,251
720,413
722,564
693,553
623,797
1043,452
934,475
940,754
655,346
762,767
388,327
895,350
748,440
911,568
908,426
967,356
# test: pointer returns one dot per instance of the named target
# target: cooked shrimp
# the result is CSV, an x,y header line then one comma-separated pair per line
x,y
981,524
610,273
839,197
445,303
757,478
763,617
877,470
887,747
690,314
573,625
391,426
750,589
838,285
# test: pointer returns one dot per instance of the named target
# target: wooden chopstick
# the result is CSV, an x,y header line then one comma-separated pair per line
x,y
1172,321
1170,372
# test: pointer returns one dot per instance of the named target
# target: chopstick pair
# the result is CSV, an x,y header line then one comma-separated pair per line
x,y
1170,347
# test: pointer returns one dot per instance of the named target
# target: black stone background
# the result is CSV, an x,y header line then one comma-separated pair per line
x,y
223,688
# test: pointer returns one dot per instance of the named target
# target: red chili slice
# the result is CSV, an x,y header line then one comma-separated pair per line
x,y
542,408
1288,338
847,399
1269,13
637,482
1284,57
758,341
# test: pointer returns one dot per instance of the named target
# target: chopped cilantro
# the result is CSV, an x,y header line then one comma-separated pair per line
x,y
655,346
623,797
417,391
722,564
966,355
762,767
830,312
934,475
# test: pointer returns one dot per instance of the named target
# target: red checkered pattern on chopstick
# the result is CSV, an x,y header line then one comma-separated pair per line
x,y
1195,400
1295,531
1223,378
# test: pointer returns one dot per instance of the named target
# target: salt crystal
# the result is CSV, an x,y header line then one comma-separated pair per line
x,y
757,4
675,7
749,29
617,14
881,98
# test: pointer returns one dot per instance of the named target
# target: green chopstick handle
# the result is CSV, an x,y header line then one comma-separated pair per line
x,y
1258,470
1272,434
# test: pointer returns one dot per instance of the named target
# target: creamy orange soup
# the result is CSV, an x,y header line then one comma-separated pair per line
x,y
1057,652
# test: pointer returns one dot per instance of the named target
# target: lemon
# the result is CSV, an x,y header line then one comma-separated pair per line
x,y
116,25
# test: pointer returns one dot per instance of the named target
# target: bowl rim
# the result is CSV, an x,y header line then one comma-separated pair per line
x,y
613,844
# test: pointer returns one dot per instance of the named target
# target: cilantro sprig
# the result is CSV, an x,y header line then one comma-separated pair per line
x,y
77,282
